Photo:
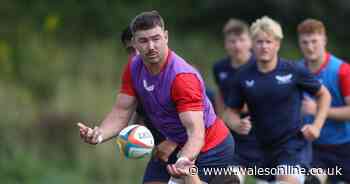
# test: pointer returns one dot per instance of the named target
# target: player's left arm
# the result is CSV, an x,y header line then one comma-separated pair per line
x,y
342,113
187,94
194,124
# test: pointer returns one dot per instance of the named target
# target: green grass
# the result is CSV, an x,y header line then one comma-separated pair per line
x,y
49,85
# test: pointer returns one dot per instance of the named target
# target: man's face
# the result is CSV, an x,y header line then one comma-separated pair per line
x,y
238,46
265,47
312,45
152,44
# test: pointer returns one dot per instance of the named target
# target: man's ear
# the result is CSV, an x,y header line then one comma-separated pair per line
x,y
132,40
279,44
166,35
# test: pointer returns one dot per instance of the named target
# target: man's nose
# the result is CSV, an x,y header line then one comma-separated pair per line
x,y
151,45
264,44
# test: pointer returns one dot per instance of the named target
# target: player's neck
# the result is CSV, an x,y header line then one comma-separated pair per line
x,y
267,66
237,62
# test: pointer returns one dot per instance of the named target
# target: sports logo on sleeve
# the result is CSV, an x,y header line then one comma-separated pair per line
x,y
284,79
223,75
249,83
147,87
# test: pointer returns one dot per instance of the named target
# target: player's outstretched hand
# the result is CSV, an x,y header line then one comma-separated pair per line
x,y
181,167
310,132
89,135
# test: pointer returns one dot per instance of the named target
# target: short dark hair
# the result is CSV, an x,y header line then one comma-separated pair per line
x,y
146,20
235,26
126,35
126,38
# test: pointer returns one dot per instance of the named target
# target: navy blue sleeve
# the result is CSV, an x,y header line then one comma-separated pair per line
x,y
216,75
235,97
210,94
306,80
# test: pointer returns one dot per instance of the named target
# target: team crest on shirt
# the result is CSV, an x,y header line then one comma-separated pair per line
x,y
223,75
147,87
249,83
284,79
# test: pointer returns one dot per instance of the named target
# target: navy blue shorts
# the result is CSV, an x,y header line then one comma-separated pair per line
x,y
248,154
296,151
331,157
218,157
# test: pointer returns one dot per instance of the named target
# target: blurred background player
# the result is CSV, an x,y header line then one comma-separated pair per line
x,y
238,45
172,95
126,39
332,148
272,88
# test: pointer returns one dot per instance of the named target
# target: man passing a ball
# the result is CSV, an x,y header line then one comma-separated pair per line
x,y
173,95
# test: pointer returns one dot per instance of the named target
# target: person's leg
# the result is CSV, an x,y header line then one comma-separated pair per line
x,y
319,161
225,180
340,168
260,181
156,172
293,159
311,179
291,179
208,163
218,158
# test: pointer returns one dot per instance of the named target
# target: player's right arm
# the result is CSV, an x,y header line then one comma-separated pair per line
x,y
235,123
235,104
308,82
219,104
219,101
119,116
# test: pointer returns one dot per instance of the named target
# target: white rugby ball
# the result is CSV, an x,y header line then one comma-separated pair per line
x,y
135,141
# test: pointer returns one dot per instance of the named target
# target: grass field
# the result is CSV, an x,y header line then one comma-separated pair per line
x,y
49,86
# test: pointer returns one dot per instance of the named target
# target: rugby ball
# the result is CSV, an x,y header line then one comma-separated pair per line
x,y
135,141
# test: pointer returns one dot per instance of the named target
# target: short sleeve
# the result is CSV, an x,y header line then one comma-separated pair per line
x,y
126,84
344,79
187,93
216,75
306,80
234,99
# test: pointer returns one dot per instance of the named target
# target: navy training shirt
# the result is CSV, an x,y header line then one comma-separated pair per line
x,y
273,98
224,72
